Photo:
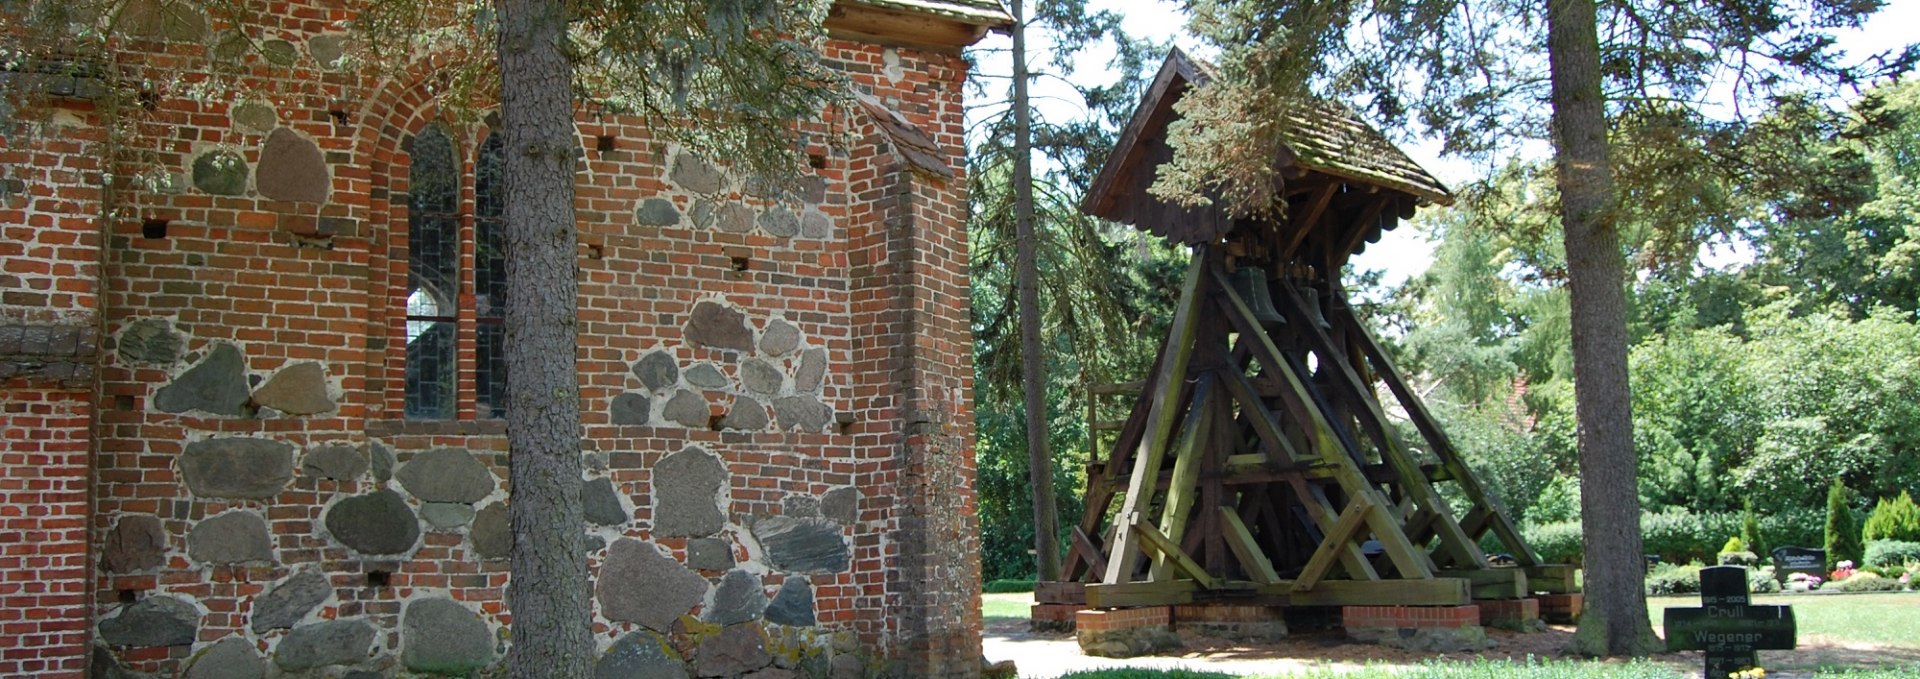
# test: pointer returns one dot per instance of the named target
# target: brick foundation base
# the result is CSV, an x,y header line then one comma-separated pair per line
x,y
1419,628
1561,609
1521,615
1053,617
1125,632
1240,623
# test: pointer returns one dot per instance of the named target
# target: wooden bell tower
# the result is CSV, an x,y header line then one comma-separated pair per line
x,y
1260,465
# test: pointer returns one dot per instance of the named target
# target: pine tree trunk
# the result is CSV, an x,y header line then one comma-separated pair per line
x,y
1033,370
547,594
1614,621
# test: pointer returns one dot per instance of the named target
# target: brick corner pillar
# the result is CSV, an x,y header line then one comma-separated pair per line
x,y
1125,632
44,444
914,340
1522,615
1561,609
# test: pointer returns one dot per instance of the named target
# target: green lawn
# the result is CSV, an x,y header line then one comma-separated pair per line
x,y
1014,605
1888,619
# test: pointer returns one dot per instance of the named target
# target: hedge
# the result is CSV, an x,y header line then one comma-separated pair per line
x,y
1009,586
1891,553
1679,536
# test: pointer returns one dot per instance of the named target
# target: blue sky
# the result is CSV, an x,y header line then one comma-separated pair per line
x,y
1404,252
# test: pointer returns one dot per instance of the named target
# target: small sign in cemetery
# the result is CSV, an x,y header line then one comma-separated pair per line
x,y
1726,626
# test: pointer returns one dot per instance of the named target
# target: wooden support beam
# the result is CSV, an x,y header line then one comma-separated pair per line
x,y
1553,579
1183,489
1437,440
1083,545
1340,535
1364,225
1427,592
1247,550
1152,540
1305,222
1493,583
1131,594
1167,386
1060,593
1272,439
1413,480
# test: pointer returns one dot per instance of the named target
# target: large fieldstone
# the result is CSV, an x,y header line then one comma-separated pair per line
x,y
237,467
746,414
237,536
492,532
334,642
601,502
760,377
217,385
734,218
149,340
153,621
802,545
780,222
163,20
780,338
710,554
719,326
793,604
299,389
221,173
446,475
657,370
697,175
686,494
707,376
805,413
289,602
379,522
640,585
738,599
812,371
292,168
137,542
327,49
841,504
254,117
440,636
656,212
813,224
336,461
687,409
382,461
642,654
736,650
446,515
631,408
231,658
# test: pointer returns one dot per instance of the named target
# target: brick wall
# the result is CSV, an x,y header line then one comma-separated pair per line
x,y
43,547
215,285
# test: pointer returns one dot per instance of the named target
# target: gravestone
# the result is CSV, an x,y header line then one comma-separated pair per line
x,y
1726,626
1790,560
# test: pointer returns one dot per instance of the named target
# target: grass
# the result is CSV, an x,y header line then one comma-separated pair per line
x,y
1884,619
1015,606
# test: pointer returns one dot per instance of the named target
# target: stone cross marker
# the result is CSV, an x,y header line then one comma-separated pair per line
x,y
1726,626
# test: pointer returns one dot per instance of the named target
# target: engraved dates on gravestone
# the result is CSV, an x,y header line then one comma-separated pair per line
x,y
1726,626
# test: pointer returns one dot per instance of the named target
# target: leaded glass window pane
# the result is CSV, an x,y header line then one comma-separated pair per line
x,y
490,277
433,274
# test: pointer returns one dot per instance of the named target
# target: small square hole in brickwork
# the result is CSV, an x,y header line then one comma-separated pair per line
x,y
816,161
339,116
713,422
741,263
128,596
123,402
605,143
379,578
154,228
596,252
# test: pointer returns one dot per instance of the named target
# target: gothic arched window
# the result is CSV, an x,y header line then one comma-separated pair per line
x,y
438,327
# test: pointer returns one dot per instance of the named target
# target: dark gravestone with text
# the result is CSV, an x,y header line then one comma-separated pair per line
x,y
1790,560
1726,626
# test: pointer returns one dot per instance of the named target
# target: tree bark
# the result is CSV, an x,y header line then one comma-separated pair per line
x,y
1614,620
547,593
1033,368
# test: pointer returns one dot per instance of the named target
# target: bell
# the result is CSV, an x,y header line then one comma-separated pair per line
x,y
1251,283
1312,297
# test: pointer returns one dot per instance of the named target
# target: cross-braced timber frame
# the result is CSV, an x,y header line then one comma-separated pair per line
x,y
1259,463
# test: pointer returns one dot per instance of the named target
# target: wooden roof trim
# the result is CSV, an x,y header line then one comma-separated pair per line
x,y
1174,76
932,25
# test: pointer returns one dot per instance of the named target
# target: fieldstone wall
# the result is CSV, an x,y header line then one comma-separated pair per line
x,y
775,392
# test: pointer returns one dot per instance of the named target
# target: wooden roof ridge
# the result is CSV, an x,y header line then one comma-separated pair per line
x,y
1326,137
